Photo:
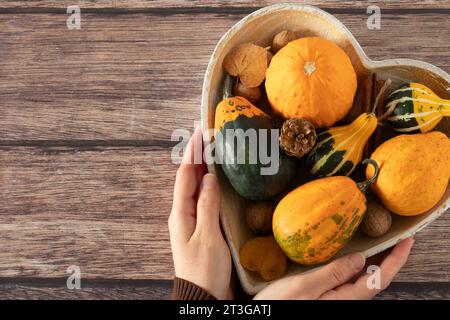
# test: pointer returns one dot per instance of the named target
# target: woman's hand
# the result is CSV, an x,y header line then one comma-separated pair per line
x,y
333,281
200,252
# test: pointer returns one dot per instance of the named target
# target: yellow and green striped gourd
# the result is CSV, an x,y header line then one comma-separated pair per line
x,y
339,149
414,108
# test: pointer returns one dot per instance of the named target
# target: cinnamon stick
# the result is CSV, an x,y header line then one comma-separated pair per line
x,y
377,136
367,98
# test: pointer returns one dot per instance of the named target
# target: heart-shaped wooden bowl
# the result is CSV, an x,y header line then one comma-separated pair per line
x,y
259,28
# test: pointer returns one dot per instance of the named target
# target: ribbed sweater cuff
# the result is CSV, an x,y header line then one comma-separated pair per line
x,y
186,290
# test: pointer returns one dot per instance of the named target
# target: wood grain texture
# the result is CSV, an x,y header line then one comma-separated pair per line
x,y
104,210
105,100
402,4
57,290
416,291
139,76
430,256
161,290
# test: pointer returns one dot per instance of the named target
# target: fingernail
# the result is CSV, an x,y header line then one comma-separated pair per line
x,y
209,181
358,260
199,131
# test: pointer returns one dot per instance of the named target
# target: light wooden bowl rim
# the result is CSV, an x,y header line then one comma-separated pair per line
x,y
367,63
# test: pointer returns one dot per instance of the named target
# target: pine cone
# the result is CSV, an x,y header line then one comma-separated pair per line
x,y
297,137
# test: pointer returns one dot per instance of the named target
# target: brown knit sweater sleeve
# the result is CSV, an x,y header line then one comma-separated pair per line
x,y
186,290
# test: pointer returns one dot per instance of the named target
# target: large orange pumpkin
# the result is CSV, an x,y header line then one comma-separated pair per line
x,y
313,222
311,78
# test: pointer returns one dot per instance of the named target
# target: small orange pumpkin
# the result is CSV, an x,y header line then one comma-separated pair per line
x,y
311,78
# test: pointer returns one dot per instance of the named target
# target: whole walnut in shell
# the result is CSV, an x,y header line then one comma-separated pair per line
x,y
377,220
251,94
281,39
258,216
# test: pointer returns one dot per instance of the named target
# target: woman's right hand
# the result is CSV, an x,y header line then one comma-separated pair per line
x,y
333,281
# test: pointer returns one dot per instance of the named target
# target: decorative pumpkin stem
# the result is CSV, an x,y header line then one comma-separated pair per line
x,y
228,87
363,186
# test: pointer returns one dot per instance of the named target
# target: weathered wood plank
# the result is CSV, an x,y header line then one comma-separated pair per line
x,y
160,290
430,256
402,4
106,209
139,76
416,291
57,290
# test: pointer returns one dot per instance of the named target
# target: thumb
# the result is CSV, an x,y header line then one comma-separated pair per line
x,y
208,205
334,274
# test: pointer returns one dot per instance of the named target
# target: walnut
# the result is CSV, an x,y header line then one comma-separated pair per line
x,y
297,137
377,220
251,94
258,216
281,39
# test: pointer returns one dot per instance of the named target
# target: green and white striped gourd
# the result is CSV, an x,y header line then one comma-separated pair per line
x,y
414,108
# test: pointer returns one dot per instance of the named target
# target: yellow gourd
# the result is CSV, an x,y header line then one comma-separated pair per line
x,y
414,172
338,150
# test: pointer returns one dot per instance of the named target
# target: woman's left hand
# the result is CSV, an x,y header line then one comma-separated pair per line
x,y
200,253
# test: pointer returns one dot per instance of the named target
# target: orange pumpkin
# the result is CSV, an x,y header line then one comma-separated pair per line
x,y
311,78
313,222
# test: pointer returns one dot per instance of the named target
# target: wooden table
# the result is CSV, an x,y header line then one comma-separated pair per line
x,y
85,135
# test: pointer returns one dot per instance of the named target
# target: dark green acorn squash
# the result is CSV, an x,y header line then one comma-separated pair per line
x,y
241,116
